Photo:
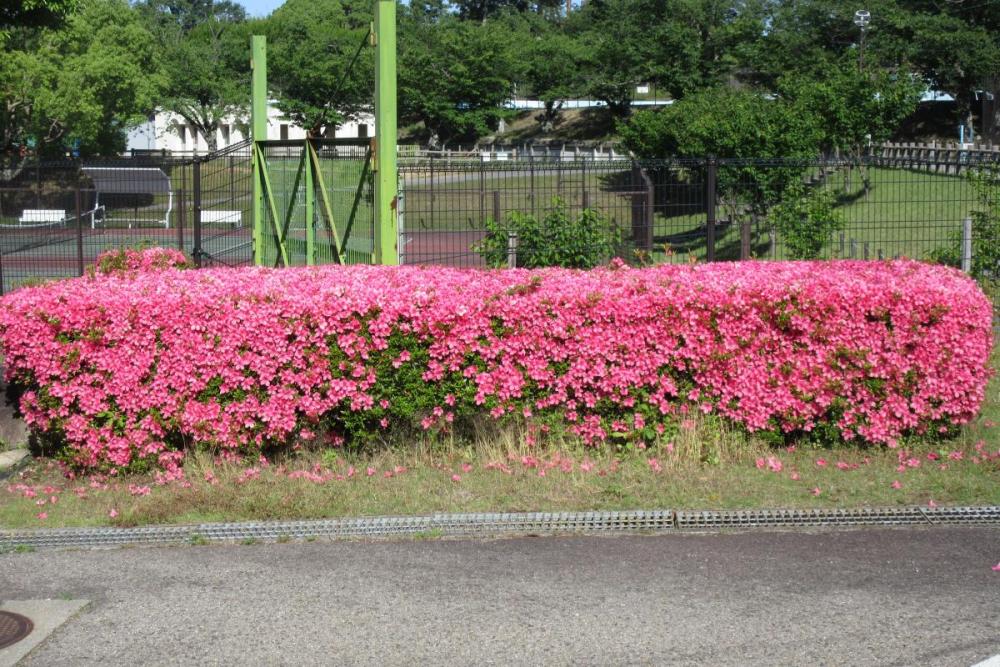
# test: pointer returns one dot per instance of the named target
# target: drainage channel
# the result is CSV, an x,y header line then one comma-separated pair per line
x,y
500,525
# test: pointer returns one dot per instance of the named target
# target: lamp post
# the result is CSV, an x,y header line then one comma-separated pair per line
x,y
862,18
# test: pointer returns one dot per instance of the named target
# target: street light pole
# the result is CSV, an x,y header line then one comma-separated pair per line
x,y
862,18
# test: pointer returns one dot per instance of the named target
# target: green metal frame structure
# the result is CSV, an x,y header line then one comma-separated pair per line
x,y
275,204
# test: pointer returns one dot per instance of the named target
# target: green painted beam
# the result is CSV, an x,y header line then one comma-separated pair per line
x,y
337,247
269,197
258,132
386,183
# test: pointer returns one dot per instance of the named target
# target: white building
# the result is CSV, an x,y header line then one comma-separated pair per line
x,y
168,131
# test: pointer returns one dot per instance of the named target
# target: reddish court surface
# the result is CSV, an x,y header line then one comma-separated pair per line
x,y
444,248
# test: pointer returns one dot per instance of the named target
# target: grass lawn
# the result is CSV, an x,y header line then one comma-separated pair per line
x,y
707,465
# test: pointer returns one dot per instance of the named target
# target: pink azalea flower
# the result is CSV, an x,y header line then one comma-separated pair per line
x,y
466,467
113,513
896,484
42,515
821,462
370,471
456,478
816,491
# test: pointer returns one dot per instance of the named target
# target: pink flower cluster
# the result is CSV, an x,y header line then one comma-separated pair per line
x,y
128,260
139,365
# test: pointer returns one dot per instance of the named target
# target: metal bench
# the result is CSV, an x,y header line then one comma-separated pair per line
x,y
234,218
35,216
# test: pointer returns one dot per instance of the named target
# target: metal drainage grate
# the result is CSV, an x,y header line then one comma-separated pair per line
x,y
509,524
837,517
375,527
13,628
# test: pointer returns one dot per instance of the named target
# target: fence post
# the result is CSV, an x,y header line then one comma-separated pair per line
x,y
642,208
181,204
710,212
967,245
196,184
744,240
496,206
511,250
482,191
79,231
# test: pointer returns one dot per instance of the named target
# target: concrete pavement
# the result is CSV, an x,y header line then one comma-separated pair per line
x,y
865,597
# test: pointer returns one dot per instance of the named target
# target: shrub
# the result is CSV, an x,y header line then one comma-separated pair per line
x,y
805,220
129,369
557,239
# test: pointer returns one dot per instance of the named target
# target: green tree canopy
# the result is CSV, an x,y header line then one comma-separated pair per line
x,y
321,65
204,54
81,82
454,76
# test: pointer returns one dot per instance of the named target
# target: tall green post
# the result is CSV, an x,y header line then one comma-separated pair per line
x,y
258,132
386,184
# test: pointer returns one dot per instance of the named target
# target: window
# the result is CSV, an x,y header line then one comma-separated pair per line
x,y
284,131
182,133
362,130
224,131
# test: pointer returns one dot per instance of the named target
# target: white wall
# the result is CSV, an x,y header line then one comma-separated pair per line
x,y
168,131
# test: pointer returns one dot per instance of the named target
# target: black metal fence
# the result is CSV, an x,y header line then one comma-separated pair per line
x,y
706,210
56,218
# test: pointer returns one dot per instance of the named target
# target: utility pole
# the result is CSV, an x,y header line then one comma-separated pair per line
x,y
862,18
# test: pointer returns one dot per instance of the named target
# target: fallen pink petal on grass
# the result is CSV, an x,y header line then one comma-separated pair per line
x,y
456,478
816,491
113,513
42,515
896,484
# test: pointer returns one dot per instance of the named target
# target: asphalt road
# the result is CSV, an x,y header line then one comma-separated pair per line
x,y
887,597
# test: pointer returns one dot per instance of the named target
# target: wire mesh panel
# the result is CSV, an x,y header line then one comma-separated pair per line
x,y
345,172
226,203
453,206
319,197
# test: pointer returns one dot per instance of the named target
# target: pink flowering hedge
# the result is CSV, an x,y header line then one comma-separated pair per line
x,y
139,364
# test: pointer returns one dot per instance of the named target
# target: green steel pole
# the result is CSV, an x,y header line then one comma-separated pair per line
x,y
258,132
386,221
310,218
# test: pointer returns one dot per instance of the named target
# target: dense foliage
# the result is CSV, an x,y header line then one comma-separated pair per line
x,y
460,62
557,238
136,365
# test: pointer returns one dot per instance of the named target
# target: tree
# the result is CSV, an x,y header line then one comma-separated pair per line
x,y
34,13
321,64
551,71
455,77
81,83
734,125
680,46
204,54
952,46
481,10
853,107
